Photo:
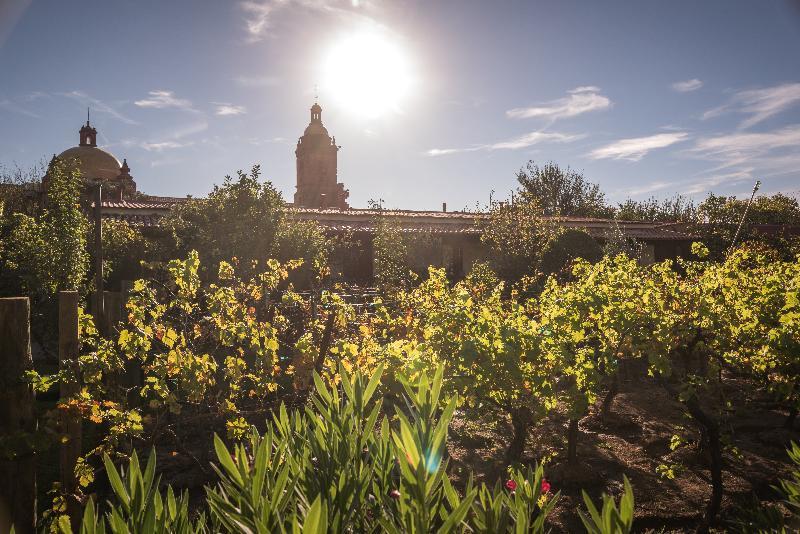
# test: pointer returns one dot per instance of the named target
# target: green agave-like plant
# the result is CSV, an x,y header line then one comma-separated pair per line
x,y
610,519
336,466
521,509
138,505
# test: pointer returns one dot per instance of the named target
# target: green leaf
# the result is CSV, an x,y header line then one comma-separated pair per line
x,y
316,520
116,483
226,461
373,383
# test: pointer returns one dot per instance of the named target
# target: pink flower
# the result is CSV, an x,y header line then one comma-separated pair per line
x,y
545,486
511,485
394,494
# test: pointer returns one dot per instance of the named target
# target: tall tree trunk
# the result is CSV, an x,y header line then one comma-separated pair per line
x,y
521,419
711,433
325,344
608,400
572,441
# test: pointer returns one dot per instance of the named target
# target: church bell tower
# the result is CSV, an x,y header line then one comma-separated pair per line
x,y
316,152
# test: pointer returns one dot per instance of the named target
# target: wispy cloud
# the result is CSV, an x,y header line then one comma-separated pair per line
x,y
645,189
739,145
175,138
36,95
97,105
257,81
636,148
259,141
523,141
578,101
225,109
10,106
747,156
759,104
161,99
687,86
164,145
259,14
706,184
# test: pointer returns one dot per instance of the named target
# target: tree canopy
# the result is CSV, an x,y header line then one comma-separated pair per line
x,y
562,192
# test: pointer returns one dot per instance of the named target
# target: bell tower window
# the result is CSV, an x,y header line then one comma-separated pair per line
x,y
88,135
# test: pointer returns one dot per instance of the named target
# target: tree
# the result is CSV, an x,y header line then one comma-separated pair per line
x,y
719,217
488,345
515,235
48,251
567,246
774,209
244,218
17,188
674,209
616,242
238,219
390,250
562,192
124,247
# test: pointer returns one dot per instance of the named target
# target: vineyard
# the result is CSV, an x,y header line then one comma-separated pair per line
x,y
441,407
559,386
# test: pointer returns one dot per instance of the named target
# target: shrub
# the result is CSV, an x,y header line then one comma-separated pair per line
x,y
48,251
567,246
124,247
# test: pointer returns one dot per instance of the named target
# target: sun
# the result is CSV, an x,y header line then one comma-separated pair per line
x,y
368,74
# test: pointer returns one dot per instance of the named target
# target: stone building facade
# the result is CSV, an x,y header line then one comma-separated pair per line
x,y
317,185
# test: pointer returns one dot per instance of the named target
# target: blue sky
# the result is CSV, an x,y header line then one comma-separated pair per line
x,y
645,97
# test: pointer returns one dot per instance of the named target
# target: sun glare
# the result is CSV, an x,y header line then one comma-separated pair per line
x,y
368,74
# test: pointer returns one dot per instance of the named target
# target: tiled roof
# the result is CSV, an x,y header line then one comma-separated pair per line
x,y
133,205
355,220
459,222
148,212
150,203
135,219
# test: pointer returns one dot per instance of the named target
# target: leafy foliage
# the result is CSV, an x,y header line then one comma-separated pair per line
x,y
48,251
561,192
244,218
567,246
667,210
515,235
311,473
610,519
720,217
124,247
391,270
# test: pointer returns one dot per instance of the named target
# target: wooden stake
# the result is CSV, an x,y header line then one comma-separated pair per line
x,y
99,311
18,473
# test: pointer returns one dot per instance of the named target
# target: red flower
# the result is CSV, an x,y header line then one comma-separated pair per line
x,y
545,486
394,494
511,485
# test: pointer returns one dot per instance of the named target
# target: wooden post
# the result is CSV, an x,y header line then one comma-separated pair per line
x,y
99,311
71,426
18,473
112,310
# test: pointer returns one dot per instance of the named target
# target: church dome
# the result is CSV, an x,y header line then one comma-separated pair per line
x,y
316,128
94,163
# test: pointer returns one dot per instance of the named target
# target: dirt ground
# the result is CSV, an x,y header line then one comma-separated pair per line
x,y
633,441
